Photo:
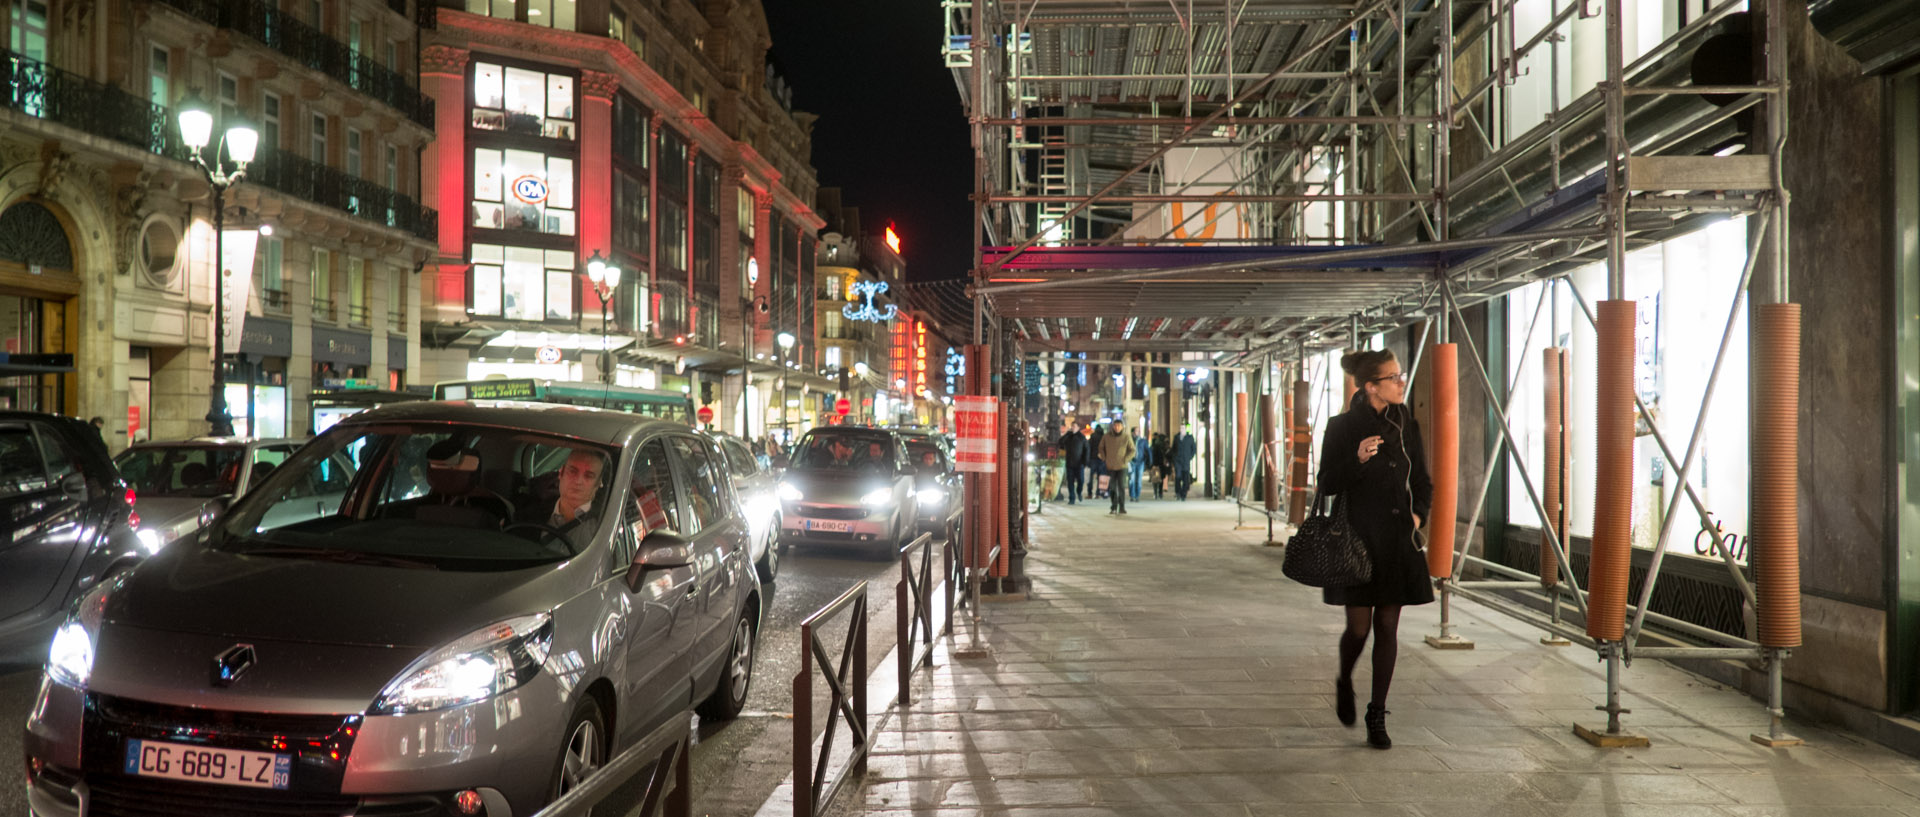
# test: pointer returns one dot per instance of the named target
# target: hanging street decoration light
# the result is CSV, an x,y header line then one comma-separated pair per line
x,y
865,310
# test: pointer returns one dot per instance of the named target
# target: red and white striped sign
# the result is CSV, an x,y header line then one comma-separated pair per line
x,y
976,433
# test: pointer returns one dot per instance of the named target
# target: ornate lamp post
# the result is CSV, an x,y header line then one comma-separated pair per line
x,y
239,143
605,278
785,339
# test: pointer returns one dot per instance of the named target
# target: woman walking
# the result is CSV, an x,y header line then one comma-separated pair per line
x,y
1372,456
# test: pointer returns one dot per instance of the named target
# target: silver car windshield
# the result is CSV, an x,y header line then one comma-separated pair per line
x,y
836,451
181,470
428,494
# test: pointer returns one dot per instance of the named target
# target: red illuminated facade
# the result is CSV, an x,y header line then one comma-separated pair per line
x,y
623,137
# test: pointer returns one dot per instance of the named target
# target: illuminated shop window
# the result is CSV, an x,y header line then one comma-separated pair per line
x,y
519,101
522,190
522,283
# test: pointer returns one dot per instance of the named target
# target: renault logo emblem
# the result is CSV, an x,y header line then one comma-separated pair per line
x,y
228,665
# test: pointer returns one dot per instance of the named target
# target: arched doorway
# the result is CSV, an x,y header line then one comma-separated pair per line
x,y
39,305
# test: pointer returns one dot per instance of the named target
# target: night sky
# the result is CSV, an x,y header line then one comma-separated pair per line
x,y
892,133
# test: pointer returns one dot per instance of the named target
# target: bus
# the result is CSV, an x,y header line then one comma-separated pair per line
x,y
666,405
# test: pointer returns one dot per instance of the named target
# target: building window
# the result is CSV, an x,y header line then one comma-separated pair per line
x,y
833,356
355,31
673,234
396,302
503,9
321,281
393,54
27,29
229,99
270,121
637,41
631,135
522,283
393,169
159,76
743,210
353,153
516,100
522,190
617,25
317,15
551,13
630,212
357,291
268,271
317,147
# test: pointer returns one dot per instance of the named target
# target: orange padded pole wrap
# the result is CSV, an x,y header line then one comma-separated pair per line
x,y
1776,476
1302,451
1607,570
1239,439
1271,462
1553,488
1446,459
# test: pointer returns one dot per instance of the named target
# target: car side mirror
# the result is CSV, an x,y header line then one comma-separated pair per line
x,y
74,486
659,551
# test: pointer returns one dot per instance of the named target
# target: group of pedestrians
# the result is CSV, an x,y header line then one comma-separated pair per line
x,y
1115,462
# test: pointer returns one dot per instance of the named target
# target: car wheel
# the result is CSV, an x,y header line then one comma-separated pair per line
x,y
585,749
769,565
736,677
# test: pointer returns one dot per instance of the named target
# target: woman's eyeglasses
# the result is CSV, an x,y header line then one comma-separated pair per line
x,y
1398,376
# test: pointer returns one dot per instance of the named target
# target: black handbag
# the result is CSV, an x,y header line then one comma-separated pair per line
x,y
1325,551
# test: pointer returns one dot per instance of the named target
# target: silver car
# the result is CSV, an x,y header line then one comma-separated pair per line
x,y
848,485
181,485
756,486
507,595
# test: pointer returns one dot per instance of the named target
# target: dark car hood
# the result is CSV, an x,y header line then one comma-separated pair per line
x,y
195,589
173,516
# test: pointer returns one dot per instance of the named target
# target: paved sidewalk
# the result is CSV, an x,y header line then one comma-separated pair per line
x,y
1162,666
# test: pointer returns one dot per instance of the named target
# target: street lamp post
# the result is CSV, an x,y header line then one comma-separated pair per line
x,y
785,339
605,278
239,142
861,369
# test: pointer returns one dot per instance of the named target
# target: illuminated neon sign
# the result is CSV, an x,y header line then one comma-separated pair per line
x,y
865,310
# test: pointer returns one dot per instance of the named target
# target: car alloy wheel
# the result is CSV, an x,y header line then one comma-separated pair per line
x,y
769,566
730,693
583,752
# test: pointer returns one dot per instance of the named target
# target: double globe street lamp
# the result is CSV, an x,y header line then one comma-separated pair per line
x,y
238,144
605,278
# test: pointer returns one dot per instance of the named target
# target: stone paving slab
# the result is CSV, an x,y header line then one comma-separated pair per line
x,y
1162,666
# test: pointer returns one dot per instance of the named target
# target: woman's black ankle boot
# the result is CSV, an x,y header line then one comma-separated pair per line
x,y
1377,727
1343,700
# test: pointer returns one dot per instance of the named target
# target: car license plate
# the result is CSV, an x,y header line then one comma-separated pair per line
x,y
826,525
208,764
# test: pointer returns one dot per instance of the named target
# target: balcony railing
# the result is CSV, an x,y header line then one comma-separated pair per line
x,y
38,89
357,314
320,184
275,301
323,310
310,47
397,321
41,90
844,332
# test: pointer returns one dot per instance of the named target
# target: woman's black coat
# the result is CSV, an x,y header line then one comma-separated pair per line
x,y
1381,496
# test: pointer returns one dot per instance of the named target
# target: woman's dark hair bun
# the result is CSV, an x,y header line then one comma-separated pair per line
x,y
1365,365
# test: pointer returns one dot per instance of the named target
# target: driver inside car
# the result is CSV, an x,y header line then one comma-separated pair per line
x,y
572,514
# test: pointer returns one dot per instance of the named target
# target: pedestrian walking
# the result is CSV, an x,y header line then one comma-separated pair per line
x,y
1138,464
1372,456
1116,450
1073,446
1162,449
1094,488
1184,448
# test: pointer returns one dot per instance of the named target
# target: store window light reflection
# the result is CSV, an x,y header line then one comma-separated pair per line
x,y
1683,290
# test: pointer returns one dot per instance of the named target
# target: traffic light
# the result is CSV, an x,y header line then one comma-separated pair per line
x,y
843,380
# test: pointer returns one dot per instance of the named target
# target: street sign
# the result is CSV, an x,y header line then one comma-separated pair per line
x,y
133,421
705,414
548,354
843,407
976,433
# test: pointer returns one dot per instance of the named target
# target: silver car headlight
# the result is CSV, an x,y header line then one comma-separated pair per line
x,y
931,496
474,667
788,493
877,497
70,660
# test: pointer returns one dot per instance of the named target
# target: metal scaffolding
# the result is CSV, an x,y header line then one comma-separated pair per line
x,y
1267,179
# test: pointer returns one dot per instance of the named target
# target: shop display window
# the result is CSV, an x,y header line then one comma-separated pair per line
x,y
522,101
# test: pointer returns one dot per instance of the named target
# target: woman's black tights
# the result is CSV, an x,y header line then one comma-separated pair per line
x,y
1384,623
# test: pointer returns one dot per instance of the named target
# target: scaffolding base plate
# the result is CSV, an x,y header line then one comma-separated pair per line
x,y
989,597
1555,641
1273,543
1611,740
971,653
1777,743
1449,642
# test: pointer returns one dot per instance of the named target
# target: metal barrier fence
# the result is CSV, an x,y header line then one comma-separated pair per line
x,y
847,700
668,748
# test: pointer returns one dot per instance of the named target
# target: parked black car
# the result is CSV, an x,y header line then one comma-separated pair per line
x,y
70,522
